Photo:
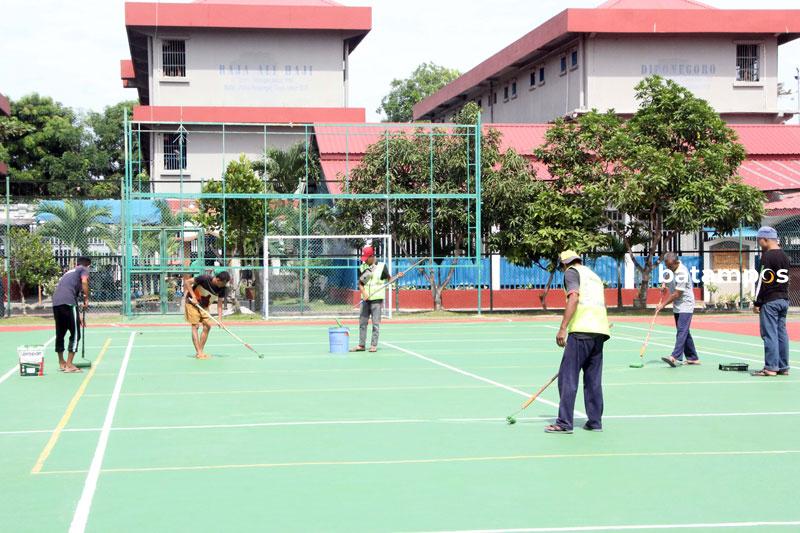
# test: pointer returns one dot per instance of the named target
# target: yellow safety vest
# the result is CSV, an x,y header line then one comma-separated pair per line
x,y
590,316
373,286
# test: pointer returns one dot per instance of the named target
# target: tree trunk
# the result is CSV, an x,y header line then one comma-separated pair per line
x,y
40,294
543,296
21,287
619,285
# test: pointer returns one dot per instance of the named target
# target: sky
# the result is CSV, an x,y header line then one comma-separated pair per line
x,y
70,50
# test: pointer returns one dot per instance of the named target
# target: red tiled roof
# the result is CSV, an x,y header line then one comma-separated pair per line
x,y
788,205
676,17
773,162
654,4
249,14
5,106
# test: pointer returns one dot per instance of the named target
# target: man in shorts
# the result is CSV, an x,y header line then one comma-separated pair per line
x,y
73,285
202,291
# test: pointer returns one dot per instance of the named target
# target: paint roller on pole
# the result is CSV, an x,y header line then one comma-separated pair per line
x,y
206,314
389,282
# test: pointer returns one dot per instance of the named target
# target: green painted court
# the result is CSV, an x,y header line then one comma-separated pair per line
x,y
410,439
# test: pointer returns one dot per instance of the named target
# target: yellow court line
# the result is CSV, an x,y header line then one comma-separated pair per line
x,y
491,458
48,448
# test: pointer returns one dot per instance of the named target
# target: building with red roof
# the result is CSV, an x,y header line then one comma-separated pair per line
x,y
279,62
582,59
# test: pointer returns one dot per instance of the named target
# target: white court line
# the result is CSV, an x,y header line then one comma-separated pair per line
x,y
476,376
706,352
400,421
640,527
15,368
703,337
81,516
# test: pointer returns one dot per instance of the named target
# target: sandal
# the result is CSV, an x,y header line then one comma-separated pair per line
x,y
783,372
694,362
670,361
358,349
555,428
373,349
764,373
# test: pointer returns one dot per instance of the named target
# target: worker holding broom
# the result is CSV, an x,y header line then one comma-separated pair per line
x,y
373,278
584,329
201,292
72,285
682,299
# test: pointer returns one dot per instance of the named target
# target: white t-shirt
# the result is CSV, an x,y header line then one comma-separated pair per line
x,y
682,281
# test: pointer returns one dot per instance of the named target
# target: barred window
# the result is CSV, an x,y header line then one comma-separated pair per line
x,y
573,61
174,151
533,78
174,58
513,88
748,62
541,75
563,64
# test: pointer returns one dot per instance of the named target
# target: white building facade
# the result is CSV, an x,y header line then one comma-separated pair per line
x,y
234,62
584,59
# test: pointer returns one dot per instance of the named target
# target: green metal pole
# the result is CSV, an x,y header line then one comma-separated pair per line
x,y
8,246
741,265
478,232
126,260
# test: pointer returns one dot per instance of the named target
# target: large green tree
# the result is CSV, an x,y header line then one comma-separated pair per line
x,y
670,169
427,78
52,151
419,161
31,261
532,220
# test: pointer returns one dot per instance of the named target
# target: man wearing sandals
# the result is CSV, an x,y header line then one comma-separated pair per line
x,y
372,280
682,299
772,304
71,286
584,329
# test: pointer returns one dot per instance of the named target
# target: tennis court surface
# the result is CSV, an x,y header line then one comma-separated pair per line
x,y
410,439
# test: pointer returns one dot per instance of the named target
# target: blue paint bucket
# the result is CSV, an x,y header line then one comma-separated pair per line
x,y
339,339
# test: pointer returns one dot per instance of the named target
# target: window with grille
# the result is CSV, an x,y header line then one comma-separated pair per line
x,y
541,75
513,88
533,79
563,64
748,62
505,93
573,61
173,58
174,151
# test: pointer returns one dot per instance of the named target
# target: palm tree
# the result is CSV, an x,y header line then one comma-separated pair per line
x,y
286,169
74,222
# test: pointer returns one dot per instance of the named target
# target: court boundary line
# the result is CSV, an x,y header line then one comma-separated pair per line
x,y
65,418
15,368
81,516
388,421
704,337
631,527
439,460
476,376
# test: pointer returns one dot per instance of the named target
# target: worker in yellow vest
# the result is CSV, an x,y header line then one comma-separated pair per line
x,y
584,329
373,280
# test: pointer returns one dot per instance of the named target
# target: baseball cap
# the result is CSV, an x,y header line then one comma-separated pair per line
x,y
367,252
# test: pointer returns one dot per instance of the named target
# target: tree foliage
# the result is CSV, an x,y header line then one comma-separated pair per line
x,y
420,162
670,169
74,222
52,151
427,78
31,260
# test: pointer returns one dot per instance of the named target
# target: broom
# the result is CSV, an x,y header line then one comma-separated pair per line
x,y
640,362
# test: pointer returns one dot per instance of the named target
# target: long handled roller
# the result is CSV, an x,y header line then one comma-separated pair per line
x,y
203,312
390,281
83,363
640,362
511,419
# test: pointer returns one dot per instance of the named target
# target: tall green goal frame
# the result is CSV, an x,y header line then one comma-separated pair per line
x,y
143,155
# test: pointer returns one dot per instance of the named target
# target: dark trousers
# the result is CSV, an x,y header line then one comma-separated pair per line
x,y
66,317
772,319
581,354
684,344
369,309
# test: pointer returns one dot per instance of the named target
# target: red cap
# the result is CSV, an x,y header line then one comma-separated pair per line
x,y
367,252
